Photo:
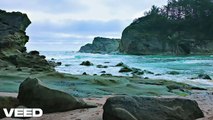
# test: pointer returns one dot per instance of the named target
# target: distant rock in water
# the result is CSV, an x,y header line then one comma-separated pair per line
x,y
87,63
12,43
101,45
203,76
150,108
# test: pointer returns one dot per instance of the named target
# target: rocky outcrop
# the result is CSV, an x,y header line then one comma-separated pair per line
x,y
12,43
135,41
101,45
33,94
163,31
150,108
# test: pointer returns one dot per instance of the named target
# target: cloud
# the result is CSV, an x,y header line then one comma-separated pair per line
x,y
77,21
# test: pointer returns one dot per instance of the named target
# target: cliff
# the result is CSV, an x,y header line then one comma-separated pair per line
x,y
12,44
101,45
179,28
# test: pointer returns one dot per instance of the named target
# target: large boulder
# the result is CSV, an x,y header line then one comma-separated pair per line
x,y
7,102
150,108
33,94
101,45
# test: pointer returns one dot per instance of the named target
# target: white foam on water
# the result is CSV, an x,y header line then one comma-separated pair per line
x,y
188,67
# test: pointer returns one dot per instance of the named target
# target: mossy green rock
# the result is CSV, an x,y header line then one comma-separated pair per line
x,y
150,108
35,95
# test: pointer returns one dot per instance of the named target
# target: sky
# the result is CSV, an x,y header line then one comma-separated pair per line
x,y
66,25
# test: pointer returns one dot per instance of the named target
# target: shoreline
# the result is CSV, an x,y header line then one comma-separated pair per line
x,y
103,84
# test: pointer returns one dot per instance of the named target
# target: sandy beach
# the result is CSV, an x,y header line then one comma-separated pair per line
x,y
204,100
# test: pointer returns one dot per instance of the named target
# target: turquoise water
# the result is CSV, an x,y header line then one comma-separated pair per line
x,y
187,66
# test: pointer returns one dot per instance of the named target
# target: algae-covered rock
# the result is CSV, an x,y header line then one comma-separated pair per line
x,y
150,108
101,45
33,94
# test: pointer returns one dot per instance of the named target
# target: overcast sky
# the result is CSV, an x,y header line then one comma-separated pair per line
x,y
69,24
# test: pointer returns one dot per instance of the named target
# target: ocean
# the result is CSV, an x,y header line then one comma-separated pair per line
x,y
187,66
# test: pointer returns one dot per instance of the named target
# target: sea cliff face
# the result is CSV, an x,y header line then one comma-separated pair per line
x,y
12,44
101,45
175,29
135,41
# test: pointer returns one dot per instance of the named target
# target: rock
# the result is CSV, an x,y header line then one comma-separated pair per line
x,y
12,33
43,57
148,72
142,37
67,65
125,69
84,73
7,102
86,63
136,71
19,69
13,39
106,75
173,73
103,71
34,52
59,63
203,76
33,94
150,108
102,66
101,45
121,64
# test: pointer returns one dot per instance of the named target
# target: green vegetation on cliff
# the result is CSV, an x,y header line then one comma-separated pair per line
x,y
180,27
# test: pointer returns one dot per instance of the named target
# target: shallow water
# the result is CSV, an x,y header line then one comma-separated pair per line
x,y
188,66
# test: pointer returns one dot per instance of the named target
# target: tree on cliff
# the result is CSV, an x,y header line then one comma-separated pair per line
x,y
193,17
